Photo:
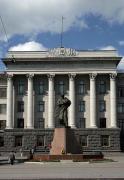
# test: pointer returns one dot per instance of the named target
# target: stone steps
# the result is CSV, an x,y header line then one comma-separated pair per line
x,y
75,157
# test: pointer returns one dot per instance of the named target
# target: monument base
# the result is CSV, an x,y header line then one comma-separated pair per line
x,y
74,157
66,147
65,142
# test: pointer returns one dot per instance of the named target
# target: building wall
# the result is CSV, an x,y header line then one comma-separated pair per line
x,y
29,137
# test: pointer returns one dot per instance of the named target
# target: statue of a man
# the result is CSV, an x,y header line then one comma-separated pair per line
x,y
62,104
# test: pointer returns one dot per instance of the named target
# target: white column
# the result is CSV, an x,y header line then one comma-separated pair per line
x,y
93,101
71,117
9,123
51,99
30,124
113,105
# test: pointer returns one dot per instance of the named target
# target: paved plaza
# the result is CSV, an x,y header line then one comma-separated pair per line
x,y
64,170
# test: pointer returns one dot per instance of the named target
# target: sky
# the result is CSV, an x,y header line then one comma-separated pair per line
x,y
35,25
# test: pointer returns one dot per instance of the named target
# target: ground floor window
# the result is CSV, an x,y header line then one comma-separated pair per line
x,y
2,108
105,140
2,124
41,123
20,123
121,123
41,106
41,140
20,106
102,122
1,141
120,107
81,106
84,140
18,141
81,123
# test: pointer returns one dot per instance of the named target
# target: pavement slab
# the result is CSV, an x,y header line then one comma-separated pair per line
x,y
68,170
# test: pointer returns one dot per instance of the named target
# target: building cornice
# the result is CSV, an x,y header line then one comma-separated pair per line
x,y
57,59
61,72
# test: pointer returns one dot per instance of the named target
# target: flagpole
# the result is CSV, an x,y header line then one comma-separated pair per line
x,y
62,33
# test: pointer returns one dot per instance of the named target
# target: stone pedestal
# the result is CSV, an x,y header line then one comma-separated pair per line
x,y
64,142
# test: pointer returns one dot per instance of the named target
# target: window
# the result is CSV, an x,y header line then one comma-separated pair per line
x,y
61,88
102,106
121,108
102,87
102,122
83,140
41,88
41,106
81,123
2,108
2,124
20,106
1,141
104,140
20,123
21,88
41,123
18,141
121,92
41,140
81,87
82,106
121,123
3,92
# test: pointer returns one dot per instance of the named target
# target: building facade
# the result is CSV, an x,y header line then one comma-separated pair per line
x,y
32,84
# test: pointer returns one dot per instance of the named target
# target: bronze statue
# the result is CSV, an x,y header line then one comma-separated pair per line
x,y
62,104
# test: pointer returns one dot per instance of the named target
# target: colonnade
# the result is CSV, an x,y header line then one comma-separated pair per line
x,y
51,97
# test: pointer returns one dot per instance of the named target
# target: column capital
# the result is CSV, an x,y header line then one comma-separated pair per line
x,y
51,76
72,76
30,76
113,76
9,76
92,76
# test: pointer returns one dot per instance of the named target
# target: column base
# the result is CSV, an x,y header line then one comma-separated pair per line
x,y
51,127
9,128
29,127
72,126
93,127
114,127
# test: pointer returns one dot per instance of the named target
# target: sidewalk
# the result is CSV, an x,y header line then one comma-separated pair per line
x,y
64,170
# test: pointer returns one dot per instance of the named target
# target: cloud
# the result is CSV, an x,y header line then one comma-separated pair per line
x,y
28,46
121,43
29,16
109,47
